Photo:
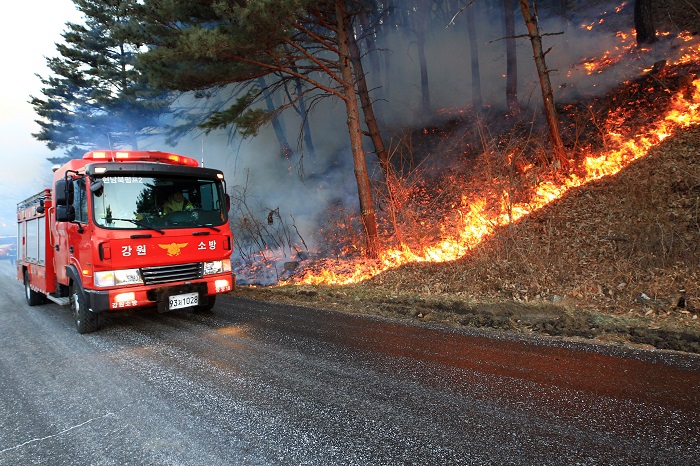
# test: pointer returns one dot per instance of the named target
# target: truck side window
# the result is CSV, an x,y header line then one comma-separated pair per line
x,y
80,200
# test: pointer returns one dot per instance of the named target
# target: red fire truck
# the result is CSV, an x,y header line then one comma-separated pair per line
x,y
126,230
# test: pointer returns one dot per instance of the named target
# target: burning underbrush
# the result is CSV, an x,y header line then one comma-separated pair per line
x,y
617,259
481,230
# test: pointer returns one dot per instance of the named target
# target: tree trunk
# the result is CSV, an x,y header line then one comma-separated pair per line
x,y
477,101
287,151
368,33
301,110
644,22
358,154
383,34
131,137
367,107
303,113
547,92
564,8
511,60
421,17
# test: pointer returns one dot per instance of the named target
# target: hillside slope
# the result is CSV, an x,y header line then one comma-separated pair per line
x,y
616,260
624,245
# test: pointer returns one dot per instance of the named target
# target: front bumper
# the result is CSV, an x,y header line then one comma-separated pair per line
x,y
141,297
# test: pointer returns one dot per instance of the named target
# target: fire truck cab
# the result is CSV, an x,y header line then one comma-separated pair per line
x,y
126,230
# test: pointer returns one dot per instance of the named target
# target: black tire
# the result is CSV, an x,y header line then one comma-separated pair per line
x,y
85,320
34,298
208,304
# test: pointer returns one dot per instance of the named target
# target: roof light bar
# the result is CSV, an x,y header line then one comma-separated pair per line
x,y
141,156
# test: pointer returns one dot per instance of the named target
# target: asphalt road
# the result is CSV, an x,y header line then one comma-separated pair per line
x,y
258,383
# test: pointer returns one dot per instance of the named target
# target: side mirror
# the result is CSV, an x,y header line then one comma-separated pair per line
x,y
64,192
228,202
41,209
65,213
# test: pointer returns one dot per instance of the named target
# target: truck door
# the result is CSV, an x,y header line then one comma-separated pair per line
x,y
68,237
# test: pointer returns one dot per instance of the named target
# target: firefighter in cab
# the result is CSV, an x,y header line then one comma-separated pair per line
x,y
176,202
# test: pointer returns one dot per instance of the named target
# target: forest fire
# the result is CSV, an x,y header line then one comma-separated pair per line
x,y
472,221
627,45
610,57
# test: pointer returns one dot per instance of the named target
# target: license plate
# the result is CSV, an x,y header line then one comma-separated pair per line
x,y
179,301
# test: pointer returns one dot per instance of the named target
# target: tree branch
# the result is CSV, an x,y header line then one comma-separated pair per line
x,y
452,21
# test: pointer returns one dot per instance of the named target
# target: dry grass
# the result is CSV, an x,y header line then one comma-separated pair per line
x,y
608,261
599,247
617,260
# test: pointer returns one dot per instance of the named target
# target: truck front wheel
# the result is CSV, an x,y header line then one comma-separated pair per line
x,y
33,297
85,321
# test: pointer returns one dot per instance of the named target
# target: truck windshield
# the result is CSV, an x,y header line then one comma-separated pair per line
x,y
142,202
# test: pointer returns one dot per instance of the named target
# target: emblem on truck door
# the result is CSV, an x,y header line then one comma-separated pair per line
x,y
173,249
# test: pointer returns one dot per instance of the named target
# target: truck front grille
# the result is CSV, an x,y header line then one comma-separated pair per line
x,y
172,273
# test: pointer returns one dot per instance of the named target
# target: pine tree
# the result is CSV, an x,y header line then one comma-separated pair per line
x,y
210,45
96,96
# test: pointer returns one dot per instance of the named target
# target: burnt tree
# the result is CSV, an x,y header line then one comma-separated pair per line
x,y
644,22
550,111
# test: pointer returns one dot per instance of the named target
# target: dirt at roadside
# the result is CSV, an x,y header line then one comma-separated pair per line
x,y
541,318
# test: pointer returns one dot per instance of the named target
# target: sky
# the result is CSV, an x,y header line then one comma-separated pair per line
x,y
29,34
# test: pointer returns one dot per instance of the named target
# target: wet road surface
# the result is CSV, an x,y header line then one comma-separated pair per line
x,y
260,383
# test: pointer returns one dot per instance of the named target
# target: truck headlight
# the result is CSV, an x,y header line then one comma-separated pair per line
x,y
118,277
217,267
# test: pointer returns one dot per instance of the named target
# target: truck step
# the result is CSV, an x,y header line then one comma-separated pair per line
x,y
60,301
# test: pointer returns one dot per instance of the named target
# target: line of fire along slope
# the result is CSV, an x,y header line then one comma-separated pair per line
x,y
475,224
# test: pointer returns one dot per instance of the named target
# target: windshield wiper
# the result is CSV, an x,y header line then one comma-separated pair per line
x,y
138,223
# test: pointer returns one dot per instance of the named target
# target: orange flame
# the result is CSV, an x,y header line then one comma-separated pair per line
x,y
475,224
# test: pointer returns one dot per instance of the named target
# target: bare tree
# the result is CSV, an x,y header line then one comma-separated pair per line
x,y
550,111
511,59
644,22
275,121
477,100
421,16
